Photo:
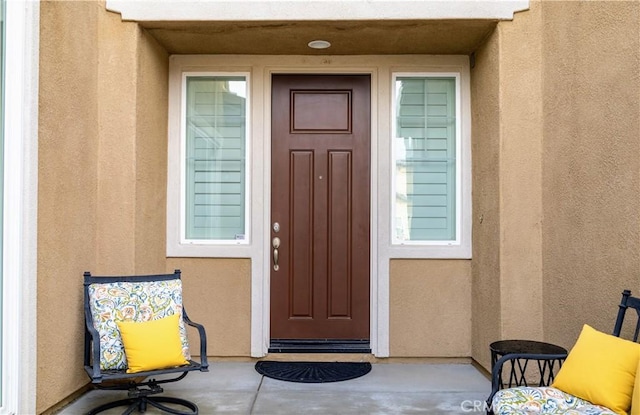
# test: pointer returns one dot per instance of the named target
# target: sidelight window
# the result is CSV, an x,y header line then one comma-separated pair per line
x,y
426,160
214,165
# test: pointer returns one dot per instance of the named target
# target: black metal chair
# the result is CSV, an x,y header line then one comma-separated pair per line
x,y
626,303
108,299
546,363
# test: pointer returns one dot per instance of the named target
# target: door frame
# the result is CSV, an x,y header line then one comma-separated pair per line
x,y
373,239
260,68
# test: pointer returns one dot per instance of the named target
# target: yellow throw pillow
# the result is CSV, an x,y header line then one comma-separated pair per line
x,y
635,398
600,368
151,345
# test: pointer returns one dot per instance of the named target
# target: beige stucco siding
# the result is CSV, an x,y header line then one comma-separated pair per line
x,y
117,49
217,294
430,308
133,71
151,155
67,192
556,142
507,184
102,172
591,163
485,266
520,175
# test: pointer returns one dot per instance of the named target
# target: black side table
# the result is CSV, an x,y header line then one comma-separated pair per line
x,y
546,367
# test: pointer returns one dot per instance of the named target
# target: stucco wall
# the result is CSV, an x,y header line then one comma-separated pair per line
x,y
102,190
520,175
485,266
556,152
151,155
430,308
507,218
67,191
117,48
102,180
507,184
217,294
591,163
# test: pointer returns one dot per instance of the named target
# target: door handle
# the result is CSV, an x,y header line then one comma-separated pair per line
x,y
275,242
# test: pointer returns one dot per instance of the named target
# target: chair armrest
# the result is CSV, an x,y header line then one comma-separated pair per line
x,y
203,341
546,365
92,349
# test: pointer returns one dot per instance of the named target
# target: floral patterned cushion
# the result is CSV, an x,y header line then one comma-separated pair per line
x,y
542,400
132,301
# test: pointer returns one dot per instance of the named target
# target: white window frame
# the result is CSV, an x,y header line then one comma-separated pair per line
x,y
460,247
177,243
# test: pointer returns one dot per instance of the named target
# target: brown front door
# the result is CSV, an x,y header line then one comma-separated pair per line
x,y
320,200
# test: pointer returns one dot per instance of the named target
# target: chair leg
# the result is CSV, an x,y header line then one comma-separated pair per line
x,y
131,404
155,401
140,404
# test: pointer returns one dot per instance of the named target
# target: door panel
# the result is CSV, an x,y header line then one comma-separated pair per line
x,y
300,248
320,199
339,238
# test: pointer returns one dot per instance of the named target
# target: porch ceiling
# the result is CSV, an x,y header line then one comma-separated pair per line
x,y
356,37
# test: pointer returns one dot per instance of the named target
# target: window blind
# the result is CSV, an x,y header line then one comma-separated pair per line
x,y
216,158
425,163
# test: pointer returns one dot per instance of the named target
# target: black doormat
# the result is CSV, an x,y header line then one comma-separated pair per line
x,y
313,372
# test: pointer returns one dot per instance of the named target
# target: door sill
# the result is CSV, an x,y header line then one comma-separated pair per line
x,y
319,346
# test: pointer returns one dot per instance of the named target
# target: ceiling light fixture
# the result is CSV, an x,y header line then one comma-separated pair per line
x,y
319,44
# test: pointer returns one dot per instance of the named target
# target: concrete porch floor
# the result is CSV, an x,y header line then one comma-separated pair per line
x,y
390,388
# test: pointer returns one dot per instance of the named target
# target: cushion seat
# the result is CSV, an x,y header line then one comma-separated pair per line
x,y
526,400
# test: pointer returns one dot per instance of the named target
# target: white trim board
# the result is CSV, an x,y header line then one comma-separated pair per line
x,y
291,10
20,209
